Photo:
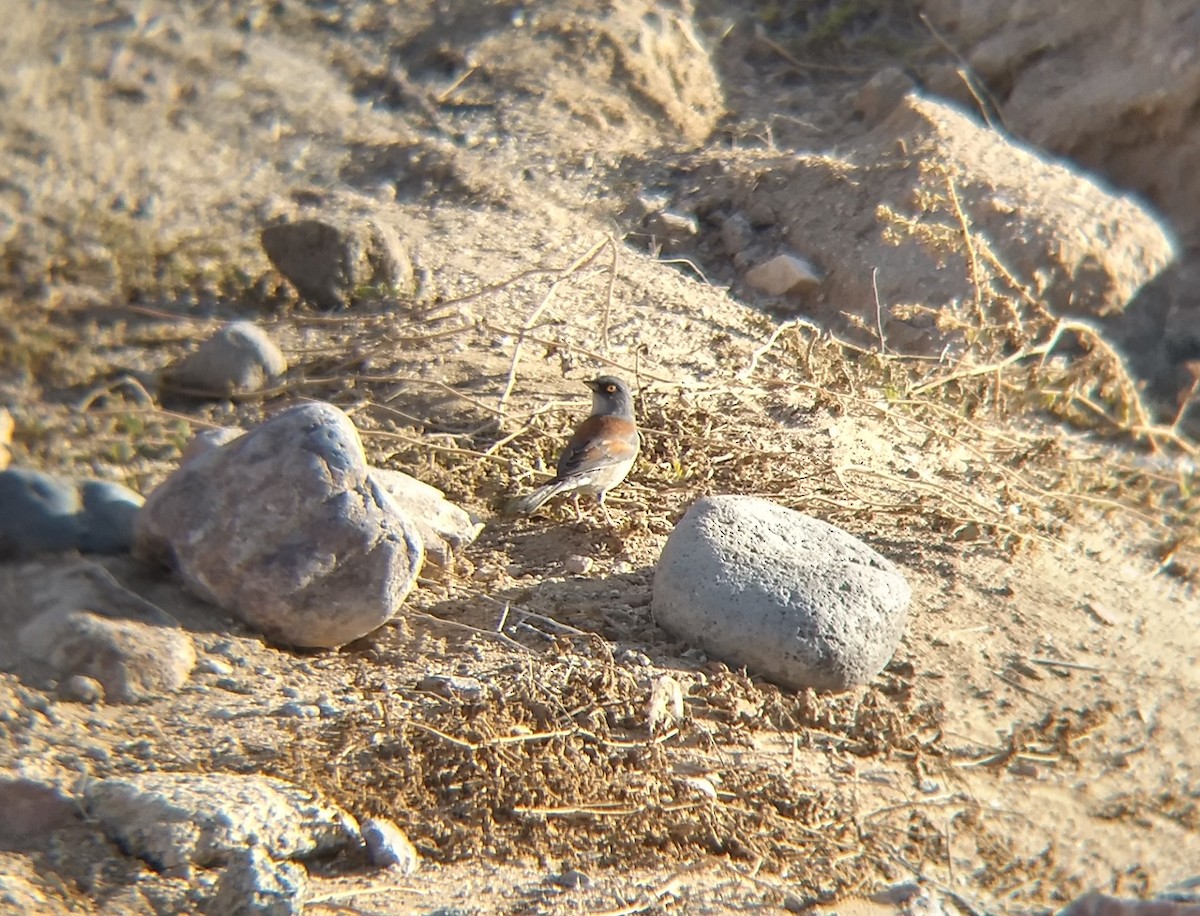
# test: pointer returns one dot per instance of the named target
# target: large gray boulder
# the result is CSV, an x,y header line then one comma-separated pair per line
x,y
791,598
284,528
445,528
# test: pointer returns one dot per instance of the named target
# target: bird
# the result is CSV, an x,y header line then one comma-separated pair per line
x,y
598,456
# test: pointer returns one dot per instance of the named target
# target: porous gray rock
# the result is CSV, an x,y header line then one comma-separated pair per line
x,y
88,624
332,260
443,526
792,598
239,358
254,884
175,821
284,528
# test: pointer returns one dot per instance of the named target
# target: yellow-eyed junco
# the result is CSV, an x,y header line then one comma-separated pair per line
x,y
599,454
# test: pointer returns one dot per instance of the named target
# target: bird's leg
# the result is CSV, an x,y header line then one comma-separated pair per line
x,y
604,509
578,511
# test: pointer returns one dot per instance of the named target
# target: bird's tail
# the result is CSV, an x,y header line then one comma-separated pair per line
x,y
531,502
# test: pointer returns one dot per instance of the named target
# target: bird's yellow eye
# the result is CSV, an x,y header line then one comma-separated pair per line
x,y
611,389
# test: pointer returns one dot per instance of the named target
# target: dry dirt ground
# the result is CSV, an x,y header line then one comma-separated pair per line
x,y
1033,738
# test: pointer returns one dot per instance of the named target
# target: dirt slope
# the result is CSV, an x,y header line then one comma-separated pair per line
x,y
1034,736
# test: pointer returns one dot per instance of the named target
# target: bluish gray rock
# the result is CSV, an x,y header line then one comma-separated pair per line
x,y
41,513
45,513
109,512
792,598
284,528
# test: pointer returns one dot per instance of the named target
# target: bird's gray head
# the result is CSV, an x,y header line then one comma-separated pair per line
x,y
611,397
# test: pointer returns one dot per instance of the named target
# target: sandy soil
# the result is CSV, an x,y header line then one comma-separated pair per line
x,y
1033,737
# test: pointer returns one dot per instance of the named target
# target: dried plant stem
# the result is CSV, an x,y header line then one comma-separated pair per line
x,y
969,244
575,348
608,295
475,631
575,266
125,381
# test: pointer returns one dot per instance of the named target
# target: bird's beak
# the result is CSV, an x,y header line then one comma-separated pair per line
x,y
593,384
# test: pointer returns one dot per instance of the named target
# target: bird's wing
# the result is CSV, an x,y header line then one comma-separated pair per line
x,y
595,446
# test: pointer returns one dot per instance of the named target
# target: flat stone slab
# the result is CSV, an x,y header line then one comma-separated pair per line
x,y
175,821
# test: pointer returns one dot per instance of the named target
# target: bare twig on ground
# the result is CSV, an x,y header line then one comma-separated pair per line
x,y
574,267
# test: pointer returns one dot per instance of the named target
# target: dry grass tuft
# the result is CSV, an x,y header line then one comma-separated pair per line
x,y
560,764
